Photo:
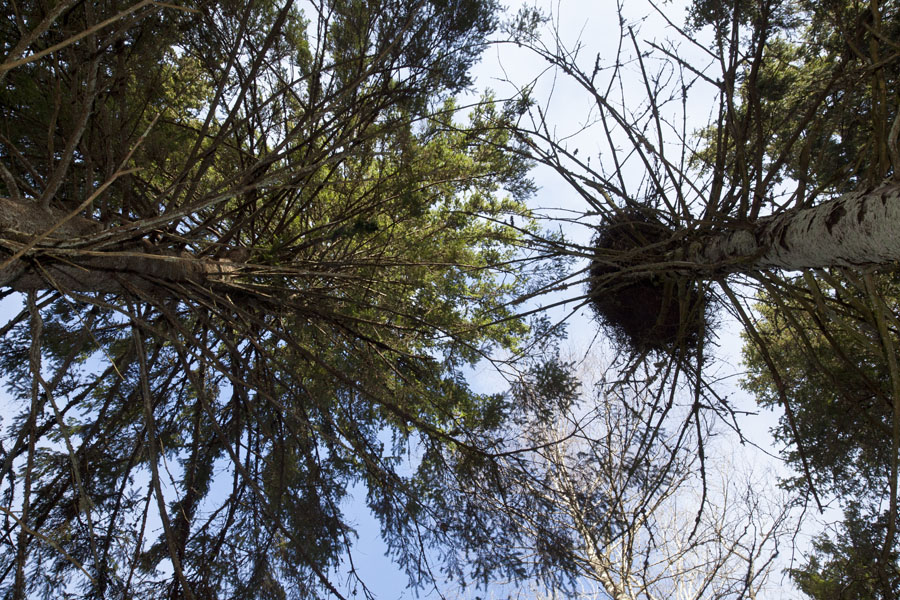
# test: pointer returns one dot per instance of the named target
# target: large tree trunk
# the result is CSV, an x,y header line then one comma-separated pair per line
x,y
44,249
861,228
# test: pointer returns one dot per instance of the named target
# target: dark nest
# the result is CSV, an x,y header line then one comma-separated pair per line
x,y
663,310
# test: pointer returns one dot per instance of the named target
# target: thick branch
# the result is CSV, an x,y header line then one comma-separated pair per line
x,y
57,261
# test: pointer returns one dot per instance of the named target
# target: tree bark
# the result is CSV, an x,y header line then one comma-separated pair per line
x,y
858,229
72,257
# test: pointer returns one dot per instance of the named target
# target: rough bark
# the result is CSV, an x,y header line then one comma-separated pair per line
x,y
861,228
45,248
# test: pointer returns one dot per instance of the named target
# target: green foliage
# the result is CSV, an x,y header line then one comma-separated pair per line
x,y
838,387
493,511
370,215
850,565
725,16
836,382
806,104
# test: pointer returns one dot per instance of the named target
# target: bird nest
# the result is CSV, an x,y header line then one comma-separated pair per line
x,y
655,308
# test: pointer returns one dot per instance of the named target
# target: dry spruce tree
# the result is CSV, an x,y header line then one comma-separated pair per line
x,y
786,196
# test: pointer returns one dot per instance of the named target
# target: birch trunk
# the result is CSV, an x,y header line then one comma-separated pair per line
x,y
858,229
44,248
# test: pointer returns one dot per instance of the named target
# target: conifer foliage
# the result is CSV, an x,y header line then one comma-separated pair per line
x,y
249,248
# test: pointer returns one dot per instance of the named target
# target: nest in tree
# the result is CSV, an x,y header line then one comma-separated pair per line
x,y
658,311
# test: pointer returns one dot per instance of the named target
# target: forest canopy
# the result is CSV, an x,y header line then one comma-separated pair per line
x,y
257,254
257,244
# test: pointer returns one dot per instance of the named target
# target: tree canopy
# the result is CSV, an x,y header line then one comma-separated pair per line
x,y
258,244
839,384
254,251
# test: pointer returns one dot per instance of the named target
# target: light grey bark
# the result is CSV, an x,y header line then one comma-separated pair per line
x,y
861,228
74,257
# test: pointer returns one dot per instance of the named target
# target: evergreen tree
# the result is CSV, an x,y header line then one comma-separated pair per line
x,y
256,248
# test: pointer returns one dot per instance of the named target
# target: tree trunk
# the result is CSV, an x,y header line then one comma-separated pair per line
x,y
44,248
858,229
